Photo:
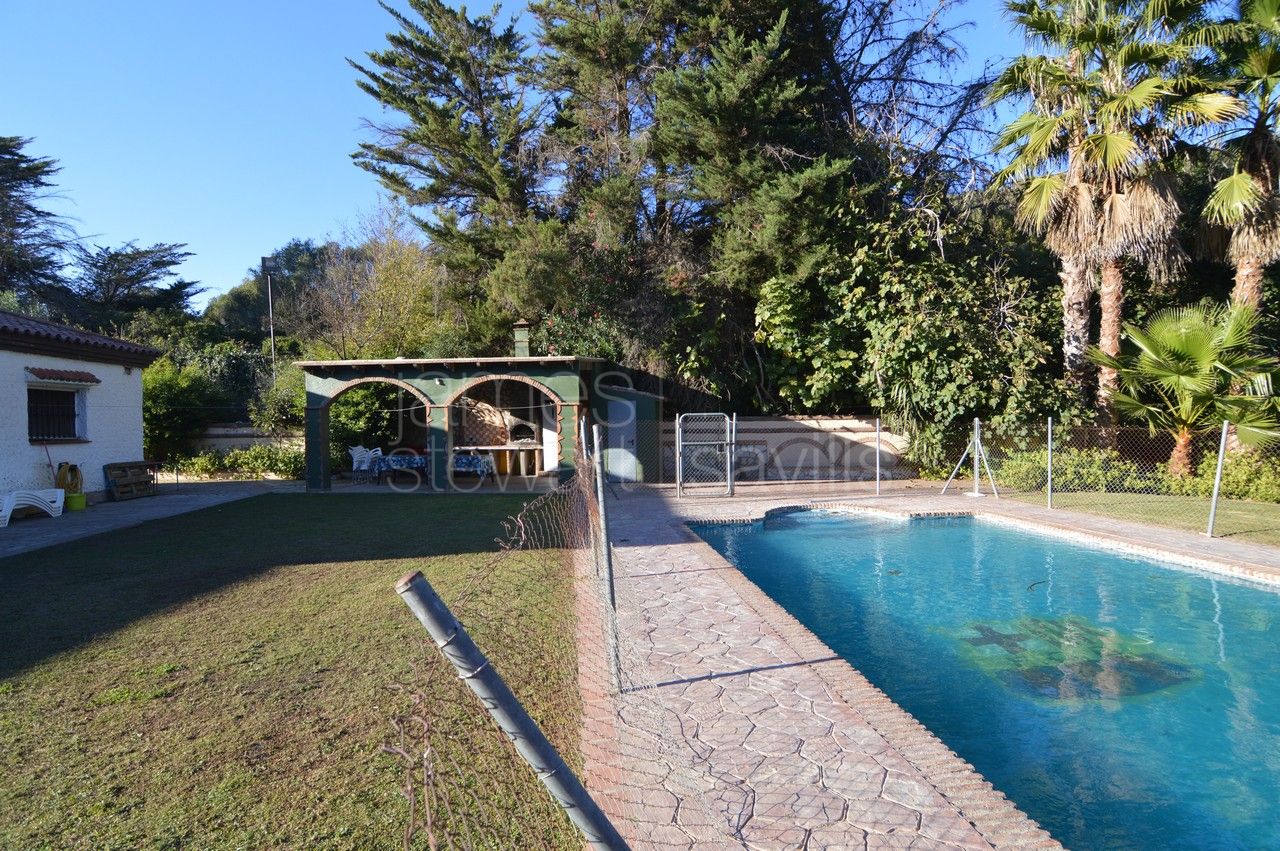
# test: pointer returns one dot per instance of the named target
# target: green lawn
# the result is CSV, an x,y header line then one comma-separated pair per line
x,y
220,679
1258,522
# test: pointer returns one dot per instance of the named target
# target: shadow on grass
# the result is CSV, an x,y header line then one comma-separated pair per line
x,y
55,599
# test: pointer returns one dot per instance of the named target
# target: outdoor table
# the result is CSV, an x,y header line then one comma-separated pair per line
x,y
527,455
380,464
482,465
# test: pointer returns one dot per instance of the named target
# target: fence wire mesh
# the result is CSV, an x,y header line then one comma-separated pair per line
x,y
784,449
539,608
464,784
704,446
1131,474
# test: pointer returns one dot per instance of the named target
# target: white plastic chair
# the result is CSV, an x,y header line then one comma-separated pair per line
x,y
375,471
49,501
360,458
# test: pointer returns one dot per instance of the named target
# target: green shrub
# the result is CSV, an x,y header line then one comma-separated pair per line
x,y
205,464
178,404
1246,474
1092,470
256,462
367,415
1023,471
267,460
281,407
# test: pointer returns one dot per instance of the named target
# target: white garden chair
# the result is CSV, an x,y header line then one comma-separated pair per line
x,y
375,471
360,458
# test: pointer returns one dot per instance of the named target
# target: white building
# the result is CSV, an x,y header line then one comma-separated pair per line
x,y
66,395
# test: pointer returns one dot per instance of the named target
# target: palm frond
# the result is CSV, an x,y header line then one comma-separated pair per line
x,y
1233,199
1206,108
1038,201
1112,152
1142,95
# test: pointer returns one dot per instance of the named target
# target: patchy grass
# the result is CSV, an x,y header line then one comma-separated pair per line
x,y
219,679
1258,522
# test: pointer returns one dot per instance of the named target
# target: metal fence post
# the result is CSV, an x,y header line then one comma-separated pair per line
x,y
598,463
731,451
877,456
977,442
679,461
530,742
1217,477
1050,479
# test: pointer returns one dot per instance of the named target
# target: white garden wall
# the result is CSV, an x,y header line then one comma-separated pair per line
x,y
112,421
803,448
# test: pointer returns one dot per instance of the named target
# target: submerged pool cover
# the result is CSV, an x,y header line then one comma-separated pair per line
x,y
1119,703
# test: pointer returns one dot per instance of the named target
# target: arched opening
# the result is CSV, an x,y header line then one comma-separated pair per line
x,y
384,414
511,420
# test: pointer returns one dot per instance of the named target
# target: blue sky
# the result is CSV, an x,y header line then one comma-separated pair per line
x,y
227,125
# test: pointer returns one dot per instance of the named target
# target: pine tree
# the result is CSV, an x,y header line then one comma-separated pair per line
x,y
111,286
33,240
465,154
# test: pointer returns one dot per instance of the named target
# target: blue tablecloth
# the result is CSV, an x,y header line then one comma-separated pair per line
x,y
380,464
481,465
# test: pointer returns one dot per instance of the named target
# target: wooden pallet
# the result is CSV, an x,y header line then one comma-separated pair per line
x,y
130,479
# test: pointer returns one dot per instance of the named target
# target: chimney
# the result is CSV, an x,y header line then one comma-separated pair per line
x,y
521,329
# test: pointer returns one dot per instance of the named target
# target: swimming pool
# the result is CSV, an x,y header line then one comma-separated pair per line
x,y
1120,703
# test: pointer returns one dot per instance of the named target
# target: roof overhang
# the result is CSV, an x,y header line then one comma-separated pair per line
x,y
60,377
31,344
449,363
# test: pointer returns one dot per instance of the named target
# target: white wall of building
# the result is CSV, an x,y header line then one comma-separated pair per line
x,y
112,422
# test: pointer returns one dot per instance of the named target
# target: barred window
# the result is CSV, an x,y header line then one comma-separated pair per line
x,y
51,414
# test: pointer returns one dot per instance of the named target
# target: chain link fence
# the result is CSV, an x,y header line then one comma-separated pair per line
x,y
1131,474
578,658
464,784
705,449
543,609
777,449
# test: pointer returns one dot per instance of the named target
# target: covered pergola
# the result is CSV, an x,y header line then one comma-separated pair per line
x,y
551,394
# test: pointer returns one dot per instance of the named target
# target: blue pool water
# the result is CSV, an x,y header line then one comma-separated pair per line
x,y
1120,703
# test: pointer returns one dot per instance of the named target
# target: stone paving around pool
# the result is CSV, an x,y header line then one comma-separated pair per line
x,y
735,727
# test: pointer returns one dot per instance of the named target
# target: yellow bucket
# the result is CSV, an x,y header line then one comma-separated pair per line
x,y
74,502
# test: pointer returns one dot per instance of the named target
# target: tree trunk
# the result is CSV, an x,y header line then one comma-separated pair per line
x,y
1248,288
1111,302
1075,323
1180,460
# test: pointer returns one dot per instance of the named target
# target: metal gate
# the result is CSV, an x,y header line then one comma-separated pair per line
x,y
704,451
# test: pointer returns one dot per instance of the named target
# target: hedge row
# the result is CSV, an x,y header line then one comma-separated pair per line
x,y
255,462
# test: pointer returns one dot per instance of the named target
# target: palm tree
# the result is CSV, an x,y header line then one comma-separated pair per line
x,y
1090,150
1247,203
1191,368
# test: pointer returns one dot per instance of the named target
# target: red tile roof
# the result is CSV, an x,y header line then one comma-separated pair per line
x,y
74,376
26,334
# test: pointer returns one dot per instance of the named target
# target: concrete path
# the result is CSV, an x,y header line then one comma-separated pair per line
x,y
736,727
34,533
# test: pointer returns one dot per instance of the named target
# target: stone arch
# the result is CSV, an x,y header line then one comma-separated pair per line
x,y
560,404
317,426
524,379
378,379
